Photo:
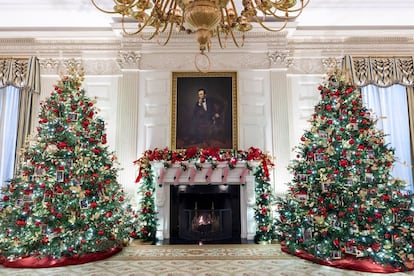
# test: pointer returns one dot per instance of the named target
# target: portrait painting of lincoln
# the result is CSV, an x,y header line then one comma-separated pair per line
x,y
205,110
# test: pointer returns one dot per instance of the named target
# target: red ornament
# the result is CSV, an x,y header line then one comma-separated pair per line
x,y
341,214
343,163
385,197
101,232
263,228
45,240
378,215
376,246
94,204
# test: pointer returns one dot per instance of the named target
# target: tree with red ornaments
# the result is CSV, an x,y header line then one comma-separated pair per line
x,y
343,207
64,203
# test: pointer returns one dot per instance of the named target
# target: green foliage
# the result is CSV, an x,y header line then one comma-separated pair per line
x,y
147,220
342,199
263,213
65,199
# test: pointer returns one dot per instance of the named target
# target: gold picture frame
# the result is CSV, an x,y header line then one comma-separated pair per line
x,y
211,124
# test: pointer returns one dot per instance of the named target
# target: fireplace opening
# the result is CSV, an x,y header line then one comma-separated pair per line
x,y
205,214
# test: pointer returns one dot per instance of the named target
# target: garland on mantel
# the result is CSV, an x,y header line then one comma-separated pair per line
x,y
264,197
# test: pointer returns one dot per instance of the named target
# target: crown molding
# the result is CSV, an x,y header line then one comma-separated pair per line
x,y
261,50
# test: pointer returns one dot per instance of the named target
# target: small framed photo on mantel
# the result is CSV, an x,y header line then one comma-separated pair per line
x,y
204,110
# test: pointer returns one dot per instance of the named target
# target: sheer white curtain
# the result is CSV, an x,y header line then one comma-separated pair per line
x,y
9,118
391,103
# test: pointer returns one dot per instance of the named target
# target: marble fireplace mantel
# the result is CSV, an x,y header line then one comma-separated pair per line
x,y
188,173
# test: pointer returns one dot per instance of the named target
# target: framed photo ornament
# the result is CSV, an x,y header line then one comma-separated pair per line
x,y
204,110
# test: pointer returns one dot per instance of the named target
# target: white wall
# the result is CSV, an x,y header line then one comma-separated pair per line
x,y
273,108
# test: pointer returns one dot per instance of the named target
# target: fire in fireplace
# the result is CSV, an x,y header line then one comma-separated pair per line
x,y
205,214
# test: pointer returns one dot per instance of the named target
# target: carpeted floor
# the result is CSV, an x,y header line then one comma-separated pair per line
x,y
183,260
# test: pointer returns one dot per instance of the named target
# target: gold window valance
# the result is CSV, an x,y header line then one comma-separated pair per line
x,y
20,73
380,71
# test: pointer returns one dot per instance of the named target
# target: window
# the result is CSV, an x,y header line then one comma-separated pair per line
x,y
9,117
391,107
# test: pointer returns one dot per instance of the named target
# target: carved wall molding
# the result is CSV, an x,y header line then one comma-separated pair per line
x,y
307,66
218,61
300,54
280,58
128,59
56,66
331,63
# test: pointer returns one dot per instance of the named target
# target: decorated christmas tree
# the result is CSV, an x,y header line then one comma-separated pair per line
x,y
64,206
344,208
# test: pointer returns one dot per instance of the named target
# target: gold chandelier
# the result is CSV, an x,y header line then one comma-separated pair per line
x,y
205,18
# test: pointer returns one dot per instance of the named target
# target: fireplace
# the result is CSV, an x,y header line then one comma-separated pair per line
x,y
205,214
219,199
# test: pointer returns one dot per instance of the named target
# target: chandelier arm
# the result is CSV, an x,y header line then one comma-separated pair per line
x,y
274,10
234,38
302,6
219,39
287,17
168,37
164,6
110,12
196,58
124,30
223,25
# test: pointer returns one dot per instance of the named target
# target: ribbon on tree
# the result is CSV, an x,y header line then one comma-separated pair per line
x,y
138,179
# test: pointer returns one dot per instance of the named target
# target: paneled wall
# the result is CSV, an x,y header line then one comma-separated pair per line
x,y
254,110
304,96
154,118
273,107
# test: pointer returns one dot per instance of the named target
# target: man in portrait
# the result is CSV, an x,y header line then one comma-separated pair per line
x,y
207,119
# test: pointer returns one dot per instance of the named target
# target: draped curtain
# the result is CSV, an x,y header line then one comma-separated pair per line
x,y
391,108
9,108
384,72
23,74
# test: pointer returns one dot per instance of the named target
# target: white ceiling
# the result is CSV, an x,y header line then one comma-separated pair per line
x,y
322,13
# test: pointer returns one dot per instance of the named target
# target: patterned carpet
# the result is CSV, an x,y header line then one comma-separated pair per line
x,y
186,260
